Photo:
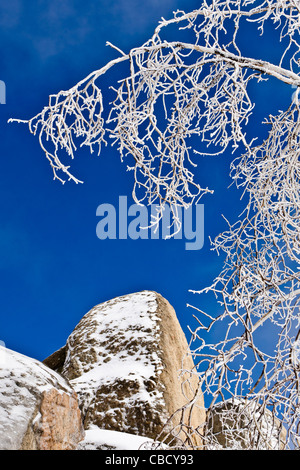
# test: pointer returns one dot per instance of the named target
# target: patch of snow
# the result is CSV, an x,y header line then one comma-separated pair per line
x,y
103,439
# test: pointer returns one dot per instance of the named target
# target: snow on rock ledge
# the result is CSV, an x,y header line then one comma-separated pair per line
x,y
123,360
101,439
38,408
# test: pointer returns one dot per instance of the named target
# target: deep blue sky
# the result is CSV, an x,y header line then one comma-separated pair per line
x,y
53,268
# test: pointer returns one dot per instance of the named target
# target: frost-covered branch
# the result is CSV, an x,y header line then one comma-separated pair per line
x,y
201,88
257,357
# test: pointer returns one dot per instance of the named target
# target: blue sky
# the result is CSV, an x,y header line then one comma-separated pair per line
x,y
53,268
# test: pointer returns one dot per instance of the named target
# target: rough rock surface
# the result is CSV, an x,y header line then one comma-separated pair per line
x,y
123,360
38,408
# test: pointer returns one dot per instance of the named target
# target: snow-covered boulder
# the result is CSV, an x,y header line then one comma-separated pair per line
x,y
123,360
38,408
